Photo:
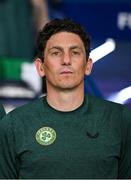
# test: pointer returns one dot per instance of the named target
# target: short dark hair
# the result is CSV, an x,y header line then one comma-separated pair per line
x,y
60,25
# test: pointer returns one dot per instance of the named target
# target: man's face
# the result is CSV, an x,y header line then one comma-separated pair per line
x,y
65,61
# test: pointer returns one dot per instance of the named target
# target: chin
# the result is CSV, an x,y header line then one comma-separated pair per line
x,y
69,86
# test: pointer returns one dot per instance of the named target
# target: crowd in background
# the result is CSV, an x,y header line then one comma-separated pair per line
x,y
20,21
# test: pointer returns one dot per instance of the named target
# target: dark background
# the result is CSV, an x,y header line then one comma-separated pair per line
x,y
110,75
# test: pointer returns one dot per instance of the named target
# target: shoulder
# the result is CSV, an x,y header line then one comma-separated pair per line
x,y
22,113
100,106
104,104
28,108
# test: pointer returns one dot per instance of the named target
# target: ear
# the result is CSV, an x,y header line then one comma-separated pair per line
x,y
89,65
39,67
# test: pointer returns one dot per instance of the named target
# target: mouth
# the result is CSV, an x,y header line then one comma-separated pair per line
x,y
66,71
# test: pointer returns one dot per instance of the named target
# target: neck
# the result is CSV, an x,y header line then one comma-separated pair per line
x,y
65,100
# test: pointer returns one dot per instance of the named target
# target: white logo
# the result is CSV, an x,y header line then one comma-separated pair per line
x,y
45,136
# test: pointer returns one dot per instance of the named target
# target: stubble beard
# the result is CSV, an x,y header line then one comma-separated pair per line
x,y
65,85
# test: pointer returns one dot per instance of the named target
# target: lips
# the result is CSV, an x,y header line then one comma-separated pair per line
x,y
66,71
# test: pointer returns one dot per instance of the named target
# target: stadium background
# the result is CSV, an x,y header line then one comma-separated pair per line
x,y
111,76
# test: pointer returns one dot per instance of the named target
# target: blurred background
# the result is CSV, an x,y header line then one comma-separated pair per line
x,y
107,21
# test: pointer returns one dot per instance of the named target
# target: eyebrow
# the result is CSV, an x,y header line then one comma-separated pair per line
x,y
60,48
55,47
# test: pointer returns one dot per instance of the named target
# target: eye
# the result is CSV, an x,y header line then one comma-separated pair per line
x,y
75,53
56,53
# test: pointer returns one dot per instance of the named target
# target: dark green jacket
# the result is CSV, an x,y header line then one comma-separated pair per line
x,y
91,142
2,111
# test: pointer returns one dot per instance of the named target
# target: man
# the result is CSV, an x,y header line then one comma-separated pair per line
x,y
2,111
65,134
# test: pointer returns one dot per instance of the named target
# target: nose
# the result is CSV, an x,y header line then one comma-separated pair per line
x,y
66,60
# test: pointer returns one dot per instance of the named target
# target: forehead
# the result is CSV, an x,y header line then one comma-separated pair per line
x,y
64,39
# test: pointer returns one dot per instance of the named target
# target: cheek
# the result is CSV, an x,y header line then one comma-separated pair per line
x,y
48,67
81,68
50,70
